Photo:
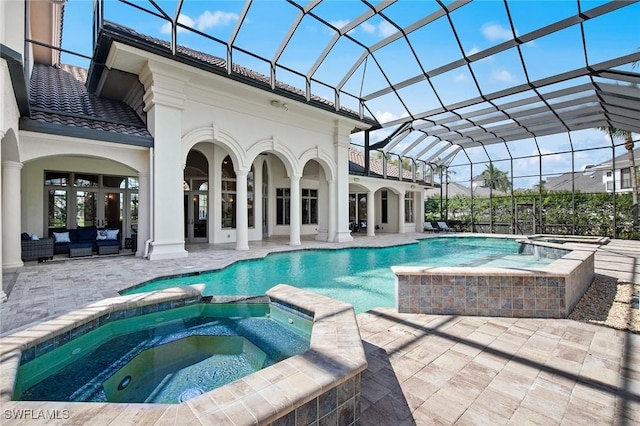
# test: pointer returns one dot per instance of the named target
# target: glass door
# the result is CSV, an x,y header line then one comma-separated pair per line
x,y
86,208
196,208
113,210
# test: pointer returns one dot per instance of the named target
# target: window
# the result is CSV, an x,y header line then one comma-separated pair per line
x,y
385,211
82,199
250,197
625,178
283,206
408,207
228,194
309,206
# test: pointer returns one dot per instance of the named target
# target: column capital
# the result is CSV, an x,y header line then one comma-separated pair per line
x,y
9,163
163,85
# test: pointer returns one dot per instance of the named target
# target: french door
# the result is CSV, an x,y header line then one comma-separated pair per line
x,y
196,208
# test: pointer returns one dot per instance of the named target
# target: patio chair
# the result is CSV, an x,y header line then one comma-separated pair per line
x,y
429,227
444,227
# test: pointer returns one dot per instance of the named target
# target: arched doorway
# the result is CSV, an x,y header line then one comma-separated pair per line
x,y
196,198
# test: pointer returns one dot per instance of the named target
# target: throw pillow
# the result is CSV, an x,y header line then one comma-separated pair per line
x,y
112,234
61,237
102,235
34,237
25,236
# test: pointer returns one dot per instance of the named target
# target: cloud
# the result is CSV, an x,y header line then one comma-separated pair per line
x,y
368,28
339,23
383,29
386,29
203,22
460,78
473,50
216,19
496,32
183,19
503,76
385,116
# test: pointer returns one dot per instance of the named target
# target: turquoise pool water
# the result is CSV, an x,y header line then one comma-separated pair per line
x,y
360,276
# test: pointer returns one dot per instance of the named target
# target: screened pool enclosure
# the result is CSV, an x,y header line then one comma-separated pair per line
x,y
516,116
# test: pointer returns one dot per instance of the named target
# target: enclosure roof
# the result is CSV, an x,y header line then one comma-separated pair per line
x,y
437,76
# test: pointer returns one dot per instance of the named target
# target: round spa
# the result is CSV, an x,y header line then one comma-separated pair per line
x,y
168,356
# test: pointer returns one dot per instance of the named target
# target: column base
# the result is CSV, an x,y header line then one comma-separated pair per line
x,y
242,248
343,237
322,236
12,265
167,250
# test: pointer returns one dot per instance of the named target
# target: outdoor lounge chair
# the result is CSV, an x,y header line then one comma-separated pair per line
x,y
444,227
429,227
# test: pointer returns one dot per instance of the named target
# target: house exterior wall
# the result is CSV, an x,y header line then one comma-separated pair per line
x,y
617,175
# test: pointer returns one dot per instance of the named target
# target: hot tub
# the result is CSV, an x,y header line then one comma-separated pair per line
x,y
320,384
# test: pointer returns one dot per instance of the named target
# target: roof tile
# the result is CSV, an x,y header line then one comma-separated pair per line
x,y
58,96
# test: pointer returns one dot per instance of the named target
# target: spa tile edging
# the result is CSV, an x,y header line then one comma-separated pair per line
x,y
551,291
319,385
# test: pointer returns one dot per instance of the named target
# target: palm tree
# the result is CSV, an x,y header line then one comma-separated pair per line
x,y
629,145
444,172
495,178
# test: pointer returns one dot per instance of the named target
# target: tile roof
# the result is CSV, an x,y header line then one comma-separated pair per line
x,y
58,96
356,165
221,65
588,182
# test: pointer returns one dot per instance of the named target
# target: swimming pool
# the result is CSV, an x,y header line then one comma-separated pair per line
x,y
360,276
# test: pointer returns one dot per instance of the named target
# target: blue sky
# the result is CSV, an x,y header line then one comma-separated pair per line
x,y
479,26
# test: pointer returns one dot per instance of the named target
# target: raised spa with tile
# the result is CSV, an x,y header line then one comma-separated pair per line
x,y
290,355
543,280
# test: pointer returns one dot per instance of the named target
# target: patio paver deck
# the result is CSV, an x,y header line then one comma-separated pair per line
x,y
423,369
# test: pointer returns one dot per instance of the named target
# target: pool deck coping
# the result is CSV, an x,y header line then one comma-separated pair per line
x,y
335,354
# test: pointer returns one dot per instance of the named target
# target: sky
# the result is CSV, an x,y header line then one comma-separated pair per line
x,y
478,26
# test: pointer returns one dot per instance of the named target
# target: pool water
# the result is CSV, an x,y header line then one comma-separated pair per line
x,y
360,276
167,356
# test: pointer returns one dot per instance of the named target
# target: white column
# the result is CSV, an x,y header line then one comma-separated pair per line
x,y
257,199
331,230
294,228
11,215
401,213
342,140
420,208
164,99
371,214
323,211
144,216
3,295
242,221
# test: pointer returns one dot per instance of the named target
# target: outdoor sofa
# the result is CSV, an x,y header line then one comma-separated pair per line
x,y
84,241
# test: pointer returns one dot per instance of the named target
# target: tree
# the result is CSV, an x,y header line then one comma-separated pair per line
x,y
495,178
629,145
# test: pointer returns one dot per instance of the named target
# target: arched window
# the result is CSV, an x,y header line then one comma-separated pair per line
x,y
228,194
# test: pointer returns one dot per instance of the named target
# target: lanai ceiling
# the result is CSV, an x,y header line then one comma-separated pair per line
x,y
438,76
